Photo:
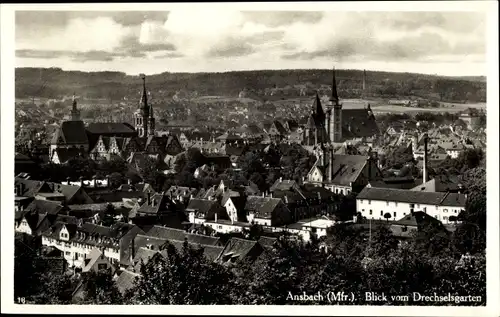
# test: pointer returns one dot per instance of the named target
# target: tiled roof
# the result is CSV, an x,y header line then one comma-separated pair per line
x,y
44,206
237,249
263,207
202,206
416,219
362,123
408,196
71,132
64,155
111,128
165,233
345,168
286,184
126,281
159,203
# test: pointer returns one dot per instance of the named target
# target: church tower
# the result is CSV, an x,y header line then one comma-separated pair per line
x,y
141,116
336,114
151,128
75,113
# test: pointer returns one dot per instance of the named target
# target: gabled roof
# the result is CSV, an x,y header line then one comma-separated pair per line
x,y
237,249
416,219
94,255
345,168
202,206
361,121
44,206
263,207
409,196
71,132
165,233
111,128
284,184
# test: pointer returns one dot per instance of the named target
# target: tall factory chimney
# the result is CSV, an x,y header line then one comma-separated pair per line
x,y
364,80
426,137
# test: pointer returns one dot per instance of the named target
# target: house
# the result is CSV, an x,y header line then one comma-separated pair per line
x,y
374,203
157,236
96,262
235,208
306,227
412,223
440,183
78,240
267,211
343,174
201,210
239,250
160,208
68,194
30,220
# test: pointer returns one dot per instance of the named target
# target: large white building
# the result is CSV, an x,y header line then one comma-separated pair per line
x,y
374,203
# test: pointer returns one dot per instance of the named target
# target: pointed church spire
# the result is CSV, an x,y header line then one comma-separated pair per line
x,y
144,95
335,97
75,113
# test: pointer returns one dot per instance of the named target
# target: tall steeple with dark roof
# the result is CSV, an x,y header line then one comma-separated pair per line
x,y
336,114
141,116
75,113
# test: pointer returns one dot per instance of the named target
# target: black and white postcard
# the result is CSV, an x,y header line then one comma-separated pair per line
x,y
245,158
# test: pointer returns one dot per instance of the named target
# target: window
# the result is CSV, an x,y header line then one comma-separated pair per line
x,y
418,205
219,227
395,204
445,210
67,253
381,212
361,201
425,209
404,229
371,212
369,202
437,207
102,266
387,203
362,210
445,218
394,215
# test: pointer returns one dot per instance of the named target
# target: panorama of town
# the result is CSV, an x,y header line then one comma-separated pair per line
x,y
281,194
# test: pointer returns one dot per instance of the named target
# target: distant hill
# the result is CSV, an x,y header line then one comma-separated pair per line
x,y
56,83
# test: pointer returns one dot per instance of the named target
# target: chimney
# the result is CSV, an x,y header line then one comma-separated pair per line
x,y
281,179
329,168
286,199
129,181
149,198
425,159
369,162
216,217
81,181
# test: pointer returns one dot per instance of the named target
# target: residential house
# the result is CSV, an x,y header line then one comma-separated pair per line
x,y
374,203
267,211
201,210
78,240
96,262
412,223
159,209
343,174
239,250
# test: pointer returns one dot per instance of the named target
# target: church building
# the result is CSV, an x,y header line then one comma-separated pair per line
x,y
335,125
109,140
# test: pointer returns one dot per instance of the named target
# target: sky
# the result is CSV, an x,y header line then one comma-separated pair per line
x,y
191,39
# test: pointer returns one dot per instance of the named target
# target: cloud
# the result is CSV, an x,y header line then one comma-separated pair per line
x,y
283,18
251,37
232,48
30,19
102,56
